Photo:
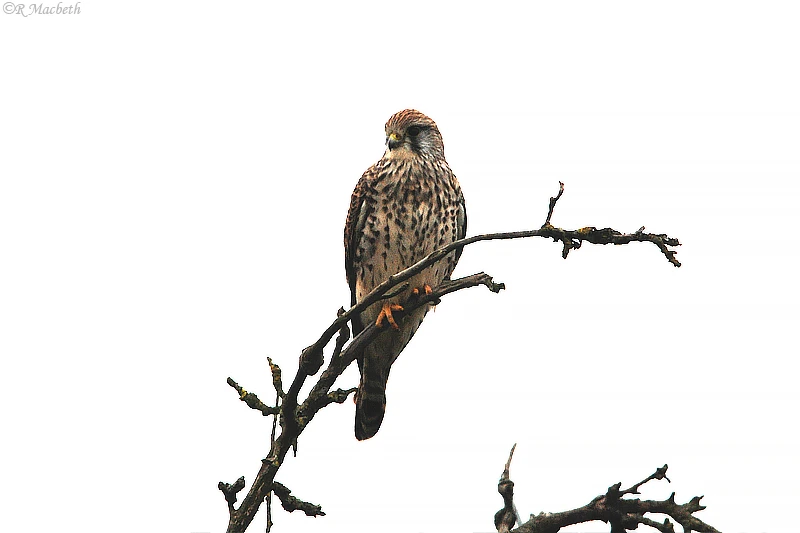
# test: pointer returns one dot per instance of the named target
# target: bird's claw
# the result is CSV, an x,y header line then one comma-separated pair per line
x,y
426,288
386,314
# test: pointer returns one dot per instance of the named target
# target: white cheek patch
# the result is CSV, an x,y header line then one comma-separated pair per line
x,y
401,152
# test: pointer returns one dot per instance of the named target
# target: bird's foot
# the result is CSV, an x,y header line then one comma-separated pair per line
x,y
386,314
426,288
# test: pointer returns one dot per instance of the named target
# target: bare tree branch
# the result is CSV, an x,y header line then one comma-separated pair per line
x,y
553,200
507,517
621,514
278,385
295,415
571,239
291,504
252,400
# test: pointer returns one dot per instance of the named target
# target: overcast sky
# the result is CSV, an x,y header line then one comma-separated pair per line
x,y
174,183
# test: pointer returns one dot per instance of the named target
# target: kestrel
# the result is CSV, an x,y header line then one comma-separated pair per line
x,y
404,207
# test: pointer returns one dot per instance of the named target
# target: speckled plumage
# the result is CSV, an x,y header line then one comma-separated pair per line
x,y
404,207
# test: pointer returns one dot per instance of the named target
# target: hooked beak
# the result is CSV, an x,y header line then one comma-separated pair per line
x,y
393,140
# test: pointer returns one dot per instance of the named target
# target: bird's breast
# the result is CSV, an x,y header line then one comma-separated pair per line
x,y
410,217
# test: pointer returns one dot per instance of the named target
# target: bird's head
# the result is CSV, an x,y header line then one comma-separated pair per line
x,y
409,133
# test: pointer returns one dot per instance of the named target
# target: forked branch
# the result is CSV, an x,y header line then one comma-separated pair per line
x,y
295,415
621,514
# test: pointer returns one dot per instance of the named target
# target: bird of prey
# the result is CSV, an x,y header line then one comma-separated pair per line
x,y
404,207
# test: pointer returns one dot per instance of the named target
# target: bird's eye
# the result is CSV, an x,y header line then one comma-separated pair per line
x,y
413,131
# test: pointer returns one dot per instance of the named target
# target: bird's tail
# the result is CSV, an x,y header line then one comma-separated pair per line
x,y
371,397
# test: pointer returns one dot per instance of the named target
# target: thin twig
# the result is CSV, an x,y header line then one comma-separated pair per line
x,y
506,517
252,400
553,200
271,447
660,473
294,416
291,504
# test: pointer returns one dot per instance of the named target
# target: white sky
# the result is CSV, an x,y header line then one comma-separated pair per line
x,y
174,185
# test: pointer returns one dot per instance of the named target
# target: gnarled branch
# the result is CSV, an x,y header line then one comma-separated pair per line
x,y
295,415
621,514
291,504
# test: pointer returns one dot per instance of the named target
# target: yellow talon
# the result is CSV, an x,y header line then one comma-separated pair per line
x,y
426,288
386,314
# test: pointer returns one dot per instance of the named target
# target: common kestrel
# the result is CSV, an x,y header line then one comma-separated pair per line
x,y
404,207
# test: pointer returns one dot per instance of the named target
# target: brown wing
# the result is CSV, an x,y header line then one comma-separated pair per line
x,y
461,222
353,231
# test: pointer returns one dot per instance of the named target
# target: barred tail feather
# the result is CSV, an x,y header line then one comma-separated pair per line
x,y
371,399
